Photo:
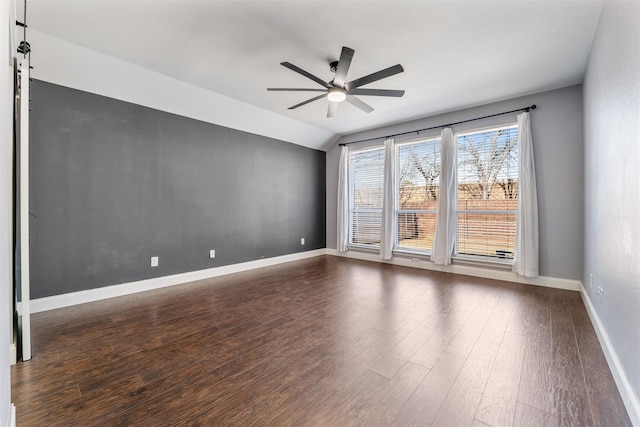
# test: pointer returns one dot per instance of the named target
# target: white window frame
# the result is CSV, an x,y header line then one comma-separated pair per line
x,y
477,258
352,209
397,211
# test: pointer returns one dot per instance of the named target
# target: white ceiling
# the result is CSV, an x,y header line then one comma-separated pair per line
x,y
456,54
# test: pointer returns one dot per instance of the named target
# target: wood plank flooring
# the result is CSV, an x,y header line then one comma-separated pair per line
x,y
326,341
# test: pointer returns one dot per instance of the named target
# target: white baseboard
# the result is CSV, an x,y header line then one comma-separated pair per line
x,y
12,416
629,397
13,354
487,273
81,297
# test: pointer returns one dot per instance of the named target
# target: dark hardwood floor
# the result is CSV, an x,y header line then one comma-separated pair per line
x,y
325,341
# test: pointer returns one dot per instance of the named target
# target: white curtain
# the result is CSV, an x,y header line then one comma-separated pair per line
x,y
389,227
526,250
445,237
343,200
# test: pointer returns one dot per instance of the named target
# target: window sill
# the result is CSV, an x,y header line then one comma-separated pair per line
x,y
363,248
412,253
478,261
462,260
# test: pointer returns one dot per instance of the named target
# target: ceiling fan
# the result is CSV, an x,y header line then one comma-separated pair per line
x,y
338,89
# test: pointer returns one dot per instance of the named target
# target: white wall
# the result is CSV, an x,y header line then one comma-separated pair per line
x,y
557,135
67,64
6,120
612,184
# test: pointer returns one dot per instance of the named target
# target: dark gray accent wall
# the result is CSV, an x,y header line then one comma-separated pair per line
x,y
114,183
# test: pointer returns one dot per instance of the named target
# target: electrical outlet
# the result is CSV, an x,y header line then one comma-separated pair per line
x,y
154,261
591,283
212,253
600,293
415,259
302,241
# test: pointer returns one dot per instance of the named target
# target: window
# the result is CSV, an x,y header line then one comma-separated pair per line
x,y
366,192
417,187
487,192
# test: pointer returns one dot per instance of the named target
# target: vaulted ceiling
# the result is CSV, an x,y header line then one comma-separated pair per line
x,y
456,54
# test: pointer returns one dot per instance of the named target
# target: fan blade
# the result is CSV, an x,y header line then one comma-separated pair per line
x,y
377,92
306,74
301,89
360,104
333,106
324,95
343,66
387,72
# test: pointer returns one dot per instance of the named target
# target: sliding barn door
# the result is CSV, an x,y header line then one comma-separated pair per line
x,y
21,177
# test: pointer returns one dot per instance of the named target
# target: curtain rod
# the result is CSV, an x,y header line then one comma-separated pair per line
x,y
532,107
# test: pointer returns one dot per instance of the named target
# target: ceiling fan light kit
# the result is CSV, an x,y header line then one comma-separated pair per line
x,y
338,89
336,94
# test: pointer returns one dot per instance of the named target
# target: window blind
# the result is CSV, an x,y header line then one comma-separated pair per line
x,y
366,189
487,192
